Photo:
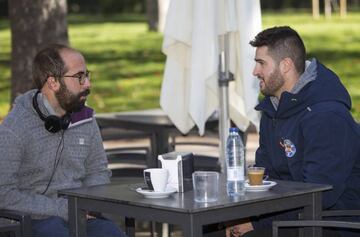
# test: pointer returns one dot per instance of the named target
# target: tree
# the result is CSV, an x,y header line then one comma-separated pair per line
x,y
34,24
315,9
152,14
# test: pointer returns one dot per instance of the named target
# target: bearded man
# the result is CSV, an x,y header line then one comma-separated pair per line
x,y
307,133
51,141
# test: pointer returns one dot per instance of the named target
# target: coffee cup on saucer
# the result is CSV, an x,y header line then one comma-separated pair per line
x,y
156,179
256,175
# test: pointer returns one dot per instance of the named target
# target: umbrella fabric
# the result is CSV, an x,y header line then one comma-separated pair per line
x,y
189,93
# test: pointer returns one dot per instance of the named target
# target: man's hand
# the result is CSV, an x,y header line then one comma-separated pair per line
x,y
239,230
93,215
89,217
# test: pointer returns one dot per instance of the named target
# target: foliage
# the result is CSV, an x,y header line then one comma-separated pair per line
x,y
106,6
127,63
295,5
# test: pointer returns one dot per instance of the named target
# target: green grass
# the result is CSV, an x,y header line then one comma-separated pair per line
x,y
127,63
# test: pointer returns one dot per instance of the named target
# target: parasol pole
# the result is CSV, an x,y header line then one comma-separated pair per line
x,y
224,77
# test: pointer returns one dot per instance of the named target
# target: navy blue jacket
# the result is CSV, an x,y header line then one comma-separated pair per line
x,y
312,137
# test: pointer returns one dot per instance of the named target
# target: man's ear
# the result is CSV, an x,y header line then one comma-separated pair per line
x,y
286,65
52,83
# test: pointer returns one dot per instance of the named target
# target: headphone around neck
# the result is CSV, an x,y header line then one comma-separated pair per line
x,y
52,123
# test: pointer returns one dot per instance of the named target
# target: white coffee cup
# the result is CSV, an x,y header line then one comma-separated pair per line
x,y
156,179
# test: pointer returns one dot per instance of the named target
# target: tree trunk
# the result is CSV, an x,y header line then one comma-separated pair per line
x,y
34,24
315,9
327,10
343,11
152,14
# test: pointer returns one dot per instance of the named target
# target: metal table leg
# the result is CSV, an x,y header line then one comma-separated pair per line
x,y
77,219
191,228
313,212
130,227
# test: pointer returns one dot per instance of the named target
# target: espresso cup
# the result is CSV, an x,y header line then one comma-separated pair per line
x,y
256,175
156,179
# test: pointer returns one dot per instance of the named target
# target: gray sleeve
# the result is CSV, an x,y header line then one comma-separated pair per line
x,y
11,197
96,164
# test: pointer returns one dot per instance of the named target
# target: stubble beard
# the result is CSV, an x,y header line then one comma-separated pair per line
x,y
273,84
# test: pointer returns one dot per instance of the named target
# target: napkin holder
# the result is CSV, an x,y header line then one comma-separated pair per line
x,y
180,166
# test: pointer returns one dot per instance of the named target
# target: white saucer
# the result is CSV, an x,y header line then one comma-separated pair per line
x,y
259,188
152,194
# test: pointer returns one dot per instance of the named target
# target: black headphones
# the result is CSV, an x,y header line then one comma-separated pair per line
x,y
53,123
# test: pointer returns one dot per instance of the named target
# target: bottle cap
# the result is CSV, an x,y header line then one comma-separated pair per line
x,y
234,129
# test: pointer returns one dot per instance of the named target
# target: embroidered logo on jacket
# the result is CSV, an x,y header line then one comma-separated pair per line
x,y
289,147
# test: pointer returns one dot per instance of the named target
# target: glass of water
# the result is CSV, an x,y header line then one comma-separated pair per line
x,y
206,186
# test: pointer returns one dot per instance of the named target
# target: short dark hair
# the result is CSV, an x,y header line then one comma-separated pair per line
x,y
48,62
283,42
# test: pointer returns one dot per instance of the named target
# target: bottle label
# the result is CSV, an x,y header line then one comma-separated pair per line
x,y
235,174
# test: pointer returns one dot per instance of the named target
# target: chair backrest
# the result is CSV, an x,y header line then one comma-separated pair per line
x,y
128,151
15,222
128,161
322,223
205,150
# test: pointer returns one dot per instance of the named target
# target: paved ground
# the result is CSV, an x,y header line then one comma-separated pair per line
x,y
142,228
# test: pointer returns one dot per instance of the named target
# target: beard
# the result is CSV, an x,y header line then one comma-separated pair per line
x,y
71,102
273,84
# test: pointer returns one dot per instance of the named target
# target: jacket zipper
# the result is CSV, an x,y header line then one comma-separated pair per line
x,y
274,122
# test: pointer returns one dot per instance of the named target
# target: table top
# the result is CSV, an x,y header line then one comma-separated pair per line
x,y
184,202
145,117
152,119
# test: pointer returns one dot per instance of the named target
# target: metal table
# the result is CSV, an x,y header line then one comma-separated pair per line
x,y
181,209
155,122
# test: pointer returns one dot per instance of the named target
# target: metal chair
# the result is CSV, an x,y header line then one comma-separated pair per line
x,y
15,223
205,149
126,160
321,223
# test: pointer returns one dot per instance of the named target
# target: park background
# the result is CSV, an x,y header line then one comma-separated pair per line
x,y
123,51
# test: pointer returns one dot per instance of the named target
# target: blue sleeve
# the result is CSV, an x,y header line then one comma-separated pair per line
x,y
326,160
328,148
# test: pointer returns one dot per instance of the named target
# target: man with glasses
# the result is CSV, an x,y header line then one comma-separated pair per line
x,y
50,141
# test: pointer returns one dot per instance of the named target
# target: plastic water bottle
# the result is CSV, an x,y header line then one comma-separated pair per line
x,y
235,162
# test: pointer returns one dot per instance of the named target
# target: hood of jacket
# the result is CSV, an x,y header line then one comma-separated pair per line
x,y
325,88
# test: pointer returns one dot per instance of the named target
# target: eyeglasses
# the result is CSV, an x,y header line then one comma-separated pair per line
x,y
81,76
